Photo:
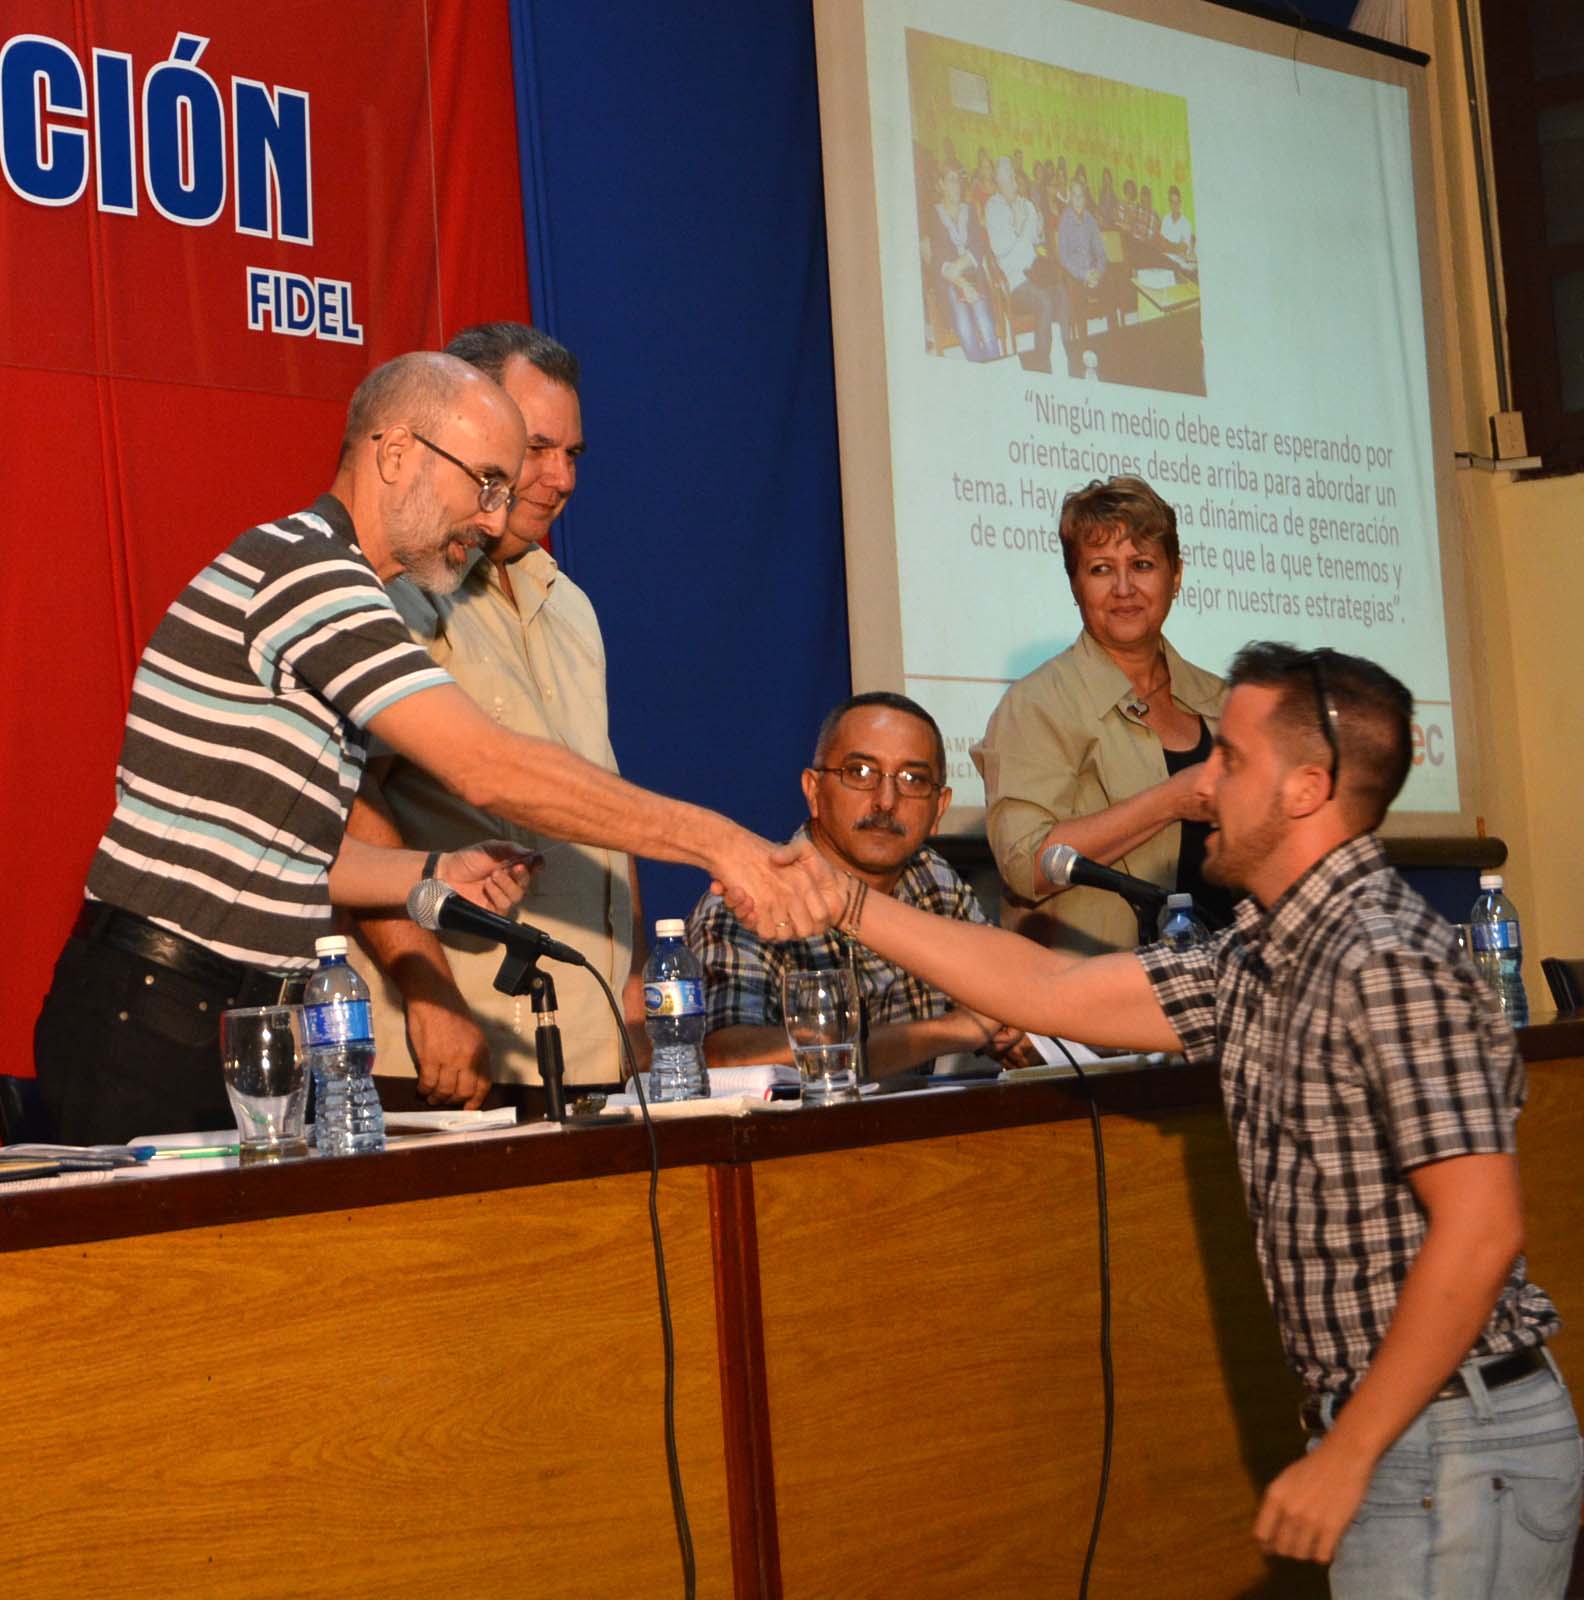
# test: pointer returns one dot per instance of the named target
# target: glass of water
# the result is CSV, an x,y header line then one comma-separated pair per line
x,y
266,1080
820,1010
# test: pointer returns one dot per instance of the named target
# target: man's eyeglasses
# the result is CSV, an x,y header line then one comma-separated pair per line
x,y
1314,662
493,492
865,776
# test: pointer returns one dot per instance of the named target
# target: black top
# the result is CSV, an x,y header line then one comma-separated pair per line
x,y
1213,903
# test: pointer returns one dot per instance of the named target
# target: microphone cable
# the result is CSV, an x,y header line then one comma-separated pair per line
x,y
679,1516
1107,1371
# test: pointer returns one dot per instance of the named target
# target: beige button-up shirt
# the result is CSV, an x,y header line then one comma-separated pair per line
x,y
537,668
1063,744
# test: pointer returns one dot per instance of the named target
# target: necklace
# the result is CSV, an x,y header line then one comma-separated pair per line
x,y
1140,704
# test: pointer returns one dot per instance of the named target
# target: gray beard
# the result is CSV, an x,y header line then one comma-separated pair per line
x,y
411,536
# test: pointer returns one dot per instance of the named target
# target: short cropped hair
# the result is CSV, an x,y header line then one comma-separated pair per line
x,y
1374,718
1094,515
412,388
490,345
892,702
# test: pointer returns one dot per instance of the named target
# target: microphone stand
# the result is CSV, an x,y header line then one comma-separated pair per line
x,y
522,974
1147,917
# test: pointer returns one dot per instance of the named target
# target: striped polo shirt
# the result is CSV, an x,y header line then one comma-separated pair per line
x,y
245,739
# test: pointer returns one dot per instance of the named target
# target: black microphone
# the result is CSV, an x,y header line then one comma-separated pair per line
x,y
435,905
1062,865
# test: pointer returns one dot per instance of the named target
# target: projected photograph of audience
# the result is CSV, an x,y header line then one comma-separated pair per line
x,y
1055,219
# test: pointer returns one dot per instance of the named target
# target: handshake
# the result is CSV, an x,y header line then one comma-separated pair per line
x,y
781,892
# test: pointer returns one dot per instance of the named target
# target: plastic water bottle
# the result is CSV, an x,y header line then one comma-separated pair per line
x,y
1180,927
674,1016
338,1033
1498,949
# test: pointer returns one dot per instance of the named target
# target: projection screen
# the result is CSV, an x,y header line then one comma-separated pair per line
x,y
1258,341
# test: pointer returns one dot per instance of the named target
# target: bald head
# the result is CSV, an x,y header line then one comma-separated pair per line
x,y
431,450
421,389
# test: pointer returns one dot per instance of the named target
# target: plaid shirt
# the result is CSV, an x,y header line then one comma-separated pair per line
x,y
1355,1044
742,973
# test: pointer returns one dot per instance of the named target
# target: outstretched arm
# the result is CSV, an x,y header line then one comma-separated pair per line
x,y
1105,1000
546,786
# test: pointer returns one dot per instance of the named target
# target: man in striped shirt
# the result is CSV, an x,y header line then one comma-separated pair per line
x,y
244,746
1372,1091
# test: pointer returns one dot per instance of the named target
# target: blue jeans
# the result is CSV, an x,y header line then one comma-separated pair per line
x,y
1478,1500
975,329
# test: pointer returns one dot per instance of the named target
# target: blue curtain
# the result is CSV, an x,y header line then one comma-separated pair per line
x,y
676,240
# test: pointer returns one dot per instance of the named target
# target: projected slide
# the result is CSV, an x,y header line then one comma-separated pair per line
x,y
1010,251
1103,246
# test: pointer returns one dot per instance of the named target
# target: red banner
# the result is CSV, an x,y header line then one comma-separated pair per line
x,y
212,226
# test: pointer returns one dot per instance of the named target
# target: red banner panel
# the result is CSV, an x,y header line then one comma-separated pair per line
x,y
211,227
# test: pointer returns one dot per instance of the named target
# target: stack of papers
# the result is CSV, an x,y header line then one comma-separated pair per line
x,y
450,1119
727,1083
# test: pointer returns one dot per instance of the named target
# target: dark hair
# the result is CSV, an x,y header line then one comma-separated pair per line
x,y
490,345
1093,515
892,702
1374,717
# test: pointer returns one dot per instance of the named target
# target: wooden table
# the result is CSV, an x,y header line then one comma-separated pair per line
x,y
888,1374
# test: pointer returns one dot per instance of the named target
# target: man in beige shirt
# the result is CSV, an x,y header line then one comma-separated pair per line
x,y
523,641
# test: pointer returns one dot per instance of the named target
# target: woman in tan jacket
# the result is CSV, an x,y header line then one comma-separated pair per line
x,y
1100,747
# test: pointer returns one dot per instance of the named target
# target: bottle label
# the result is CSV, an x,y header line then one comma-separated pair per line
x,y
1497,936
676,997
337,1022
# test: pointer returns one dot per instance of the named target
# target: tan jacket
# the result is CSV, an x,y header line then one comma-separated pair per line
x,y
536,669
1062,744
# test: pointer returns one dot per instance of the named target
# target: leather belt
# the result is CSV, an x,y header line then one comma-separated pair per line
x,y
1493,1374
232,981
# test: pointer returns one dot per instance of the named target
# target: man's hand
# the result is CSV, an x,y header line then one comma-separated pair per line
x,y
492,873
780,892
996,1040
1011,1047
1308,1507
452,1055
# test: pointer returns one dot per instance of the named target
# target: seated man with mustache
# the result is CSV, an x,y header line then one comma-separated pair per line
x,y
875,791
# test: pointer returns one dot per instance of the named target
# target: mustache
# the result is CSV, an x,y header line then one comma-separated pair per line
x,y
882,821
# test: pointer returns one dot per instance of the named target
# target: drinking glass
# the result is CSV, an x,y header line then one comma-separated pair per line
x,y
262,1059
820,1010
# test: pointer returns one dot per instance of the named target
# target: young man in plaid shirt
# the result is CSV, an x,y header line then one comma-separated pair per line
x,y
1372,1092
